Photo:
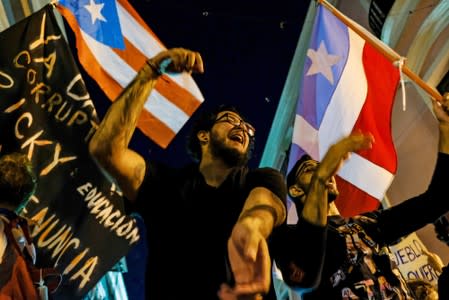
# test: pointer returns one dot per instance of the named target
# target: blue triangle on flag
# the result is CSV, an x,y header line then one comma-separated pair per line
x,y
99,19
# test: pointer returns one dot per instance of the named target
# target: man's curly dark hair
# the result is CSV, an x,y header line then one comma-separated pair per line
x,y
17,179
205,122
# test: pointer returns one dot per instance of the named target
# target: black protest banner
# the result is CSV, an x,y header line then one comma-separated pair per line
x,y
46,112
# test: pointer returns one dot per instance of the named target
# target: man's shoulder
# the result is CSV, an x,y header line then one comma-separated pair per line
x,y
268,171
269,178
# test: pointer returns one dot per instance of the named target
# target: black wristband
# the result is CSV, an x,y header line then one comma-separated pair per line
x,y
153,67
266,207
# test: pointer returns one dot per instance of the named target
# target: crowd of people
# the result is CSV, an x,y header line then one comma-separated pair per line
x,y
355,252
215,226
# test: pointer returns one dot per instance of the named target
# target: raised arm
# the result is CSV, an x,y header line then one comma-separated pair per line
x,y
109,145
441,110
315,209
416,212
301,262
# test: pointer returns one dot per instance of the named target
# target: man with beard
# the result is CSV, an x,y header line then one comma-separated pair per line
x,y
194,210
356,264
302,261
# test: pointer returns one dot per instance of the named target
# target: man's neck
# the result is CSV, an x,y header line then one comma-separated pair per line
x,y
214,171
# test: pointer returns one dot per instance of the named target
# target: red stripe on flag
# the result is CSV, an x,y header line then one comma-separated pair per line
x,y
154,129
360,201
133,57
183,99
375,116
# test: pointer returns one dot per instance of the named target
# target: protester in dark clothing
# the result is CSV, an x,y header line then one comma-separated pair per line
x,y
356,262
194,210
443,284
442,233
316,185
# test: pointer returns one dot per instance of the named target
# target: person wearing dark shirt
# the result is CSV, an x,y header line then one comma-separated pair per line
x,y
288,242
192,212
443,284
356,261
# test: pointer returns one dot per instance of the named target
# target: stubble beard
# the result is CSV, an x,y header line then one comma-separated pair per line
x,y
230,156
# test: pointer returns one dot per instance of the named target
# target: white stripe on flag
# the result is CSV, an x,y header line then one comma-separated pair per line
x,y
166,111
149,46
137,35
186,81
366,175
305,136
113,64
348,99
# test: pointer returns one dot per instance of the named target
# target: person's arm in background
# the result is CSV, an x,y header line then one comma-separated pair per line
x,y
434,260
300,248
410,215
316,206
441,110
109,145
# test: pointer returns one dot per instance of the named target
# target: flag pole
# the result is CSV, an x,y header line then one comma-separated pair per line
x,y
392,56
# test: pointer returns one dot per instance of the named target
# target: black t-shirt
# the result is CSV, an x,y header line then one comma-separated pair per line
x,y
188,224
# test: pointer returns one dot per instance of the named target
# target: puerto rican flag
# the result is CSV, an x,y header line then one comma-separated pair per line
x,y
113,43
348,86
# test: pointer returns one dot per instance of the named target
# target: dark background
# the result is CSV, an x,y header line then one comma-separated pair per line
x,y
247,47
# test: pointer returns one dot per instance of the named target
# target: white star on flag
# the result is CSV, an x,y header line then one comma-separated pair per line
x,y
322,62
95,11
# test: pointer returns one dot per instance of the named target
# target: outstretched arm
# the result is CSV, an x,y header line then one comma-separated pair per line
x,y
247,246
109,145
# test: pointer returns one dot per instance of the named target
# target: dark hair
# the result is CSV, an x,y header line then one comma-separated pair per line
x,y
205,122
17,179
291,176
